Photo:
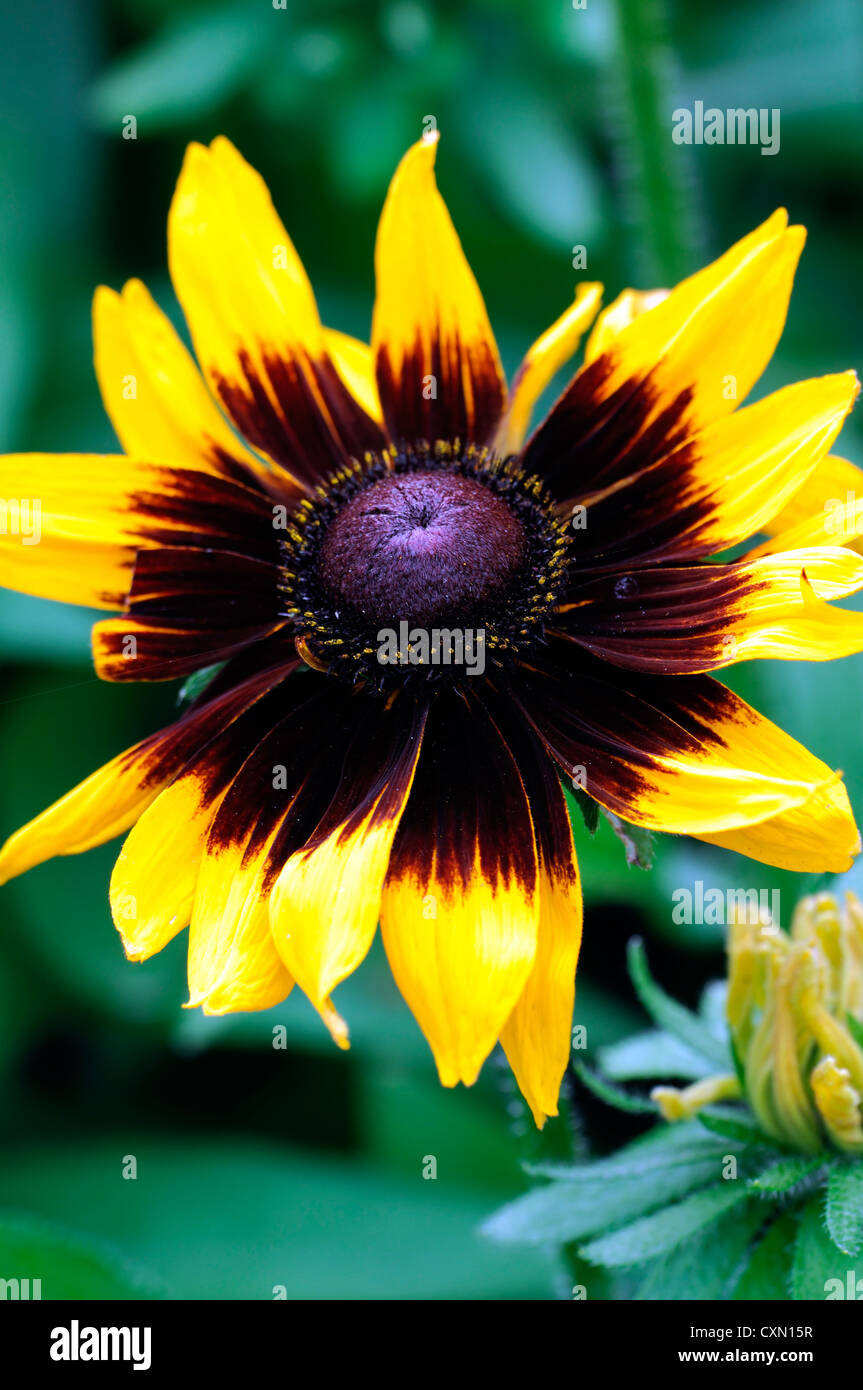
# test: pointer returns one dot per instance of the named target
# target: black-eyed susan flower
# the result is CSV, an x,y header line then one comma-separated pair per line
x,y
278,510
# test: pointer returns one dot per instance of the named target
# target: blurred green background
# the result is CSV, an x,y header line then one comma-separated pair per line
x,y
302,1168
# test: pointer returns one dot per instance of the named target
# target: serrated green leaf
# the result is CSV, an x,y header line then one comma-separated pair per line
x,y
637,842
843,1212
709,1265
591,1197
786,1173
663,1143
666,1013
652,1055
611,1094
816,1260
664,1230
766,1275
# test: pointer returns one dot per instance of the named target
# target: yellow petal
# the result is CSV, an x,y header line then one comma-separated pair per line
x,y
104,805
543,360
253,319
110,800
152,389
94,511
153,883
714,334
355,365
438,369
680,754
722,485
826,510
460,907
537,1036
233,962
817,836
619,315
325,903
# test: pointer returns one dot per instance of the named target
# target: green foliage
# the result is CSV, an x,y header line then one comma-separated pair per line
x,y
706,1208
666,1013
843,1214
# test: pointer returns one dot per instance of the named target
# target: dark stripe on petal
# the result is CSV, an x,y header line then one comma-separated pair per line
x,y
619,729
586,442
192,508
668,621
467,803
308,421
458,396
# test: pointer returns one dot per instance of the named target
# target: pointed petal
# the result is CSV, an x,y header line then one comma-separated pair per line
x,y
826,510
692,618
460,908
326,901
682,754
541,363
154,882
537,1036
153,392
819,836
672,371
623,311
438,369
254,322
111,799
89,513
724,484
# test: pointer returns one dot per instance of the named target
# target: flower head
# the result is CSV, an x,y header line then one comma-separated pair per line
x,y
337,525
795,1016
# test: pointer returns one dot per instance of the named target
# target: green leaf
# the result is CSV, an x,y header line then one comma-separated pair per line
x,y
590,1197
611,1094
652,1055
707,1266
735,1124
664,1230
765,1277
844,1208
668,1014
68,1264
816,1260
786,1174
638,843
197,683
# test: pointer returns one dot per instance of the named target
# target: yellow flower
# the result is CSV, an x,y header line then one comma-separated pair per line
x,y
297,493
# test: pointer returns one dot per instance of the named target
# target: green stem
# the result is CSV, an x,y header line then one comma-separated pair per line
x,y
655,170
